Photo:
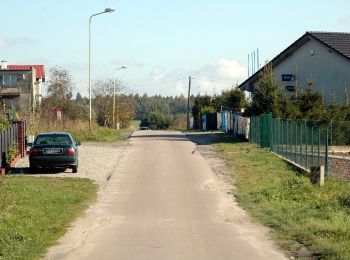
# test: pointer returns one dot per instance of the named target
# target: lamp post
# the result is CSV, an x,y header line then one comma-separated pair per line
x,y
114,78
107,10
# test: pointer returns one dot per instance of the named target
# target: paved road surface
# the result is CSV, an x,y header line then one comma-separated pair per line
x,y
164,202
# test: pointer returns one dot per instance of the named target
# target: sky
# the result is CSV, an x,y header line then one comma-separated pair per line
x,y
161,42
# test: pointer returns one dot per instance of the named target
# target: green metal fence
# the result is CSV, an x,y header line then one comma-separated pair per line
x,y
300,143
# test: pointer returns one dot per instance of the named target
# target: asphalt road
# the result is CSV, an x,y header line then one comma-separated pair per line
x,y
164,202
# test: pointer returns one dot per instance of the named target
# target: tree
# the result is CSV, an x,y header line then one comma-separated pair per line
x,y
59,94
288,108
60,86
234,99
125,109
103,103
199,103
310,104
266,96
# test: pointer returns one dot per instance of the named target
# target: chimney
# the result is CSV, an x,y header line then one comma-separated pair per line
x,y
4,65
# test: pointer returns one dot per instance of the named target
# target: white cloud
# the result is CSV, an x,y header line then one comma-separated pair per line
x,y
16,41
223,69
219,75
180,88
2,43
127,63
209,79
230,69
157,74
344,21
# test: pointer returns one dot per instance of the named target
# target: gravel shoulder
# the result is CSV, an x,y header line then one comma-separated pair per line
x,y
97,161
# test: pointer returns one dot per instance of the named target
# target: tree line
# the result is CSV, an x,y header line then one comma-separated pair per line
x,y
159,112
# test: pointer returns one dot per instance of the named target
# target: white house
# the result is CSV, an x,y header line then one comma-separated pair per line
x,y
320,60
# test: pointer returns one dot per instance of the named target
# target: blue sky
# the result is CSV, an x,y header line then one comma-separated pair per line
x,y
161,42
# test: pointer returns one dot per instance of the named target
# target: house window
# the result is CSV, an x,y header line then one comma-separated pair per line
x,y
8,80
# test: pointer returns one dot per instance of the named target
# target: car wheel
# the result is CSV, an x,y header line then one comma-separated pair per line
x,y
75,169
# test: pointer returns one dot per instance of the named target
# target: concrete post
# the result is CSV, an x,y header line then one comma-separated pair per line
x,y
317,175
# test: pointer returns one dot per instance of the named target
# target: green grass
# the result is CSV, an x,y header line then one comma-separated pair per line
x,y
297,211
97,134
38,211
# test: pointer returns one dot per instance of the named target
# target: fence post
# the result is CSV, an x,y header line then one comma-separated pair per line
x,y
331,136
285,130
296,142
312,146
326,154
287,140
319,147
306,145
272,131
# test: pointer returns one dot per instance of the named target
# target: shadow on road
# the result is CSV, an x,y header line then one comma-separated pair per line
x,y
206,138
201,138
166,137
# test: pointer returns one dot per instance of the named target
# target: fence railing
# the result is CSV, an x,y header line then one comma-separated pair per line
x,y
8,139
304,145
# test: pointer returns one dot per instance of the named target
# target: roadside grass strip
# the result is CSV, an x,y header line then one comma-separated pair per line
x,y
97,134
299,214
82,132
36,212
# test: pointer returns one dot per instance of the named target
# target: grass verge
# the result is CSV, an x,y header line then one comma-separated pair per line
x,y
38,211
299,213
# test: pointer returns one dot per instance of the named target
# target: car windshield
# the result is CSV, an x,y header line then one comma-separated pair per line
x,y
53,140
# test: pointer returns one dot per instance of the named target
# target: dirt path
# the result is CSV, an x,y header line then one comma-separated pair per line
x,y
165,202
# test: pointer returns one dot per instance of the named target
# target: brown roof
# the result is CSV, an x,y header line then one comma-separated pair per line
x,y
338,42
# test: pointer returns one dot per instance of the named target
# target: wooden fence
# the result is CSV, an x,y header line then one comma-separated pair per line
x,y
12,137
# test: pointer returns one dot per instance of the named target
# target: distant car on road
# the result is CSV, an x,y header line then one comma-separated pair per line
x,y
54,149
145,128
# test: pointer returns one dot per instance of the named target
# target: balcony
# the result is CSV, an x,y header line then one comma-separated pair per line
x,y
10,91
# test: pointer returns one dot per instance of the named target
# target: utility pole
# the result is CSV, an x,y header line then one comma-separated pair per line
x,y
113,106
114,96
188,103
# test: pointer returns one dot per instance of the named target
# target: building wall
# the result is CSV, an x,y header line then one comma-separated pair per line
x,y
328,71
24,101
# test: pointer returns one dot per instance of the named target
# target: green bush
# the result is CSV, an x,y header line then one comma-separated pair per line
x,y
4,123
13,151
156,120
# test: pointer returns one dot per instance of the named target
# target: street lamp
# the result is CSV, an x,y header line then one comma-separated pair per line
x,y
107,10
114,78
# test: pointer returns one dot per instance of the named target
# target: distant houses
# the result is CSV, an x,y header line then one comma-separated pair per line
x,y
317,60
20,87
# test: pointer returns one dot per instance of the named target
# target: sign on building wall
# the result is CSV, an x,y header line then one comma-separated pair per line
x,y
288,77
290,88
